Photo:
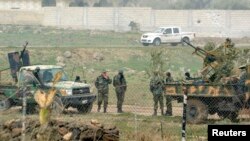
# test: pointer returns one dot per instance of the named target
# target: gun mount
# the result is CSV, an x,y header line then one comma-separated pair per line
x,y
218,62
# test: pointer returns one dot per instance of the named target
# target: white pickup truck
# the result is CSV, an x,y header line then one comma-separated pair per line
x,y
172,35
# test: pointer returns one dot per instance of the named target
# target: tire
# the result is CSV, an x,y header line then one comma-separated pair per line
x,y
186,39
145,44
32,109
4,103
157,42
197,111
86,108
57,106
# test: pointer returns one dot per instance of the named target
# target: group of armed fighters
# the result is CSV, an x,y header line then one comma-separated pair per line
x,y
102,84
217,68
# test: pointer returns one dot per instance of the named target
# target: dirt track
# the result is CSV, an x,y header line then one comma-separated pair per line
x,y
137,110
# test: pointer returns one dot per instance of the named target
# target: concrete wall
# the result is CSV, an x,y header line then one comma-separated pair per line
x,y
213,23
21,18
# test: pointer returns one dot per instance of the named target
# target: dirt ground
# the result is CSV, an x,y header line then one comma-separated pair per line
x,y
136,110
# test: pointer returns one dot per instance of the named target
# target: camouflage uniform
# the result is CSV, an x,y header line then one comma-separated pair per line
x,y
157,89
241,88
169,79
242,81
101,84
120,84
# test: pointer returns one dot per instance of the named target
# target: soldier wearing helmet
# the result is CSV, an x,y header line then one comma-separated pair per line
x,y
242,79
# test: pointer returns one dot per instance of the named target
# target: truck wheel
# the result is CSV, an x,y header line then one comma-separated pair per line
x,y
157,42
186,39
57,106
86,108
4,103
32,108
197,111
145,44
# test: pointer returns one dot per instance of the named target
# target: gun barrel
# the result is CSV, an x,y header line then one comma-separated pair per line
x,y
24,48
196,48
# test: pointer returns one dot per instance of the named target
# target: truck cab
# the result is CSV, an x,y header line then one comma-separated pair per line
x,y
172,35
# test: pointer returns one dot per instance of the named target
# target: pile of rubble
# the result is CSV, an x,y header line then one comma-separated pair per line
x,y
56,131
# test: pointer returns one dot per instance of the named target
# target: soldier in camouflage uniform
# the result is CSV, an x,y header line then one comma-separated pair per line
x,y
102,84
157,89
169,79
120,84
242,80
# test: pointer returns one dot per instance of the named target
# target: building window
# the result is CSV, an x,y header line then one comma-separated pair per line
x,y
48,3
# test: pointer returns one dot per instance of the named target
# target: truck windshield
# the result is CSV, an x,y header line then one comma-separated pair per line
x,y
47,75
159,30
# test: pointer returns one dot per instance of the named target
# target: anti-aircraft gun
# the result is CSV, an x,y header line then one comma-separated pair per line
x,y
224,98
218,62
17,61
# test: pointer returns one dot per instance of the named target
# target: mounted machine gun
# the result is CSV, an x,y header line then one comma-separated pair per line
x,y
210,62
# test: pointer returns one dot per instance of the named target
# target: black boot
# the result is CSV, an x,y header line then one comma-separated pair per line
x,y
119,110
168,113
99,108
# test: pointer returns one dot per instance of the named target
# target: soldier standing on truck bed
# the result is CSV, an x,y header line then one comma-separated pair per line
x,y
157,89
242,80
169,79
120,84
102,84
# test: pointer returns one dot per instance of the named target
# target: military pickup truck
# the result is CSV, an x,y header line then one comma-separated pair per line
x,y
225,96
69,93
172,35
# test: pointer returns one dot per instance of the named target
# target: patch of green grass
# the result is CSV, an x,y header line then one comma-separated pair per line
x,y
51,37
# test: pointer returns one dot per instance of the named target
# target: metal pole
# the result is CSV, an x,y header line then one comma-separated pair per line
x,y
136,126
183,130
24,113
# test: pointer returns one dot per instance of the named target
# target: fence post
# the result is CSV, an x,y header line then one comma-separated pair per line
x,y
183,130
24,112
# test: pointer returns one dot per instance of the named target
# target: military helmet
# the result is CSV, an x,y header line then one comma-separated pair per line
x,y
37,69
228,40
104,70
243,66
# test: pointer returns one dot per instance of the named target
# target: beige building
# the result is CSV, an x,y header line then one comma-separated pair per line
x,y
29,4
